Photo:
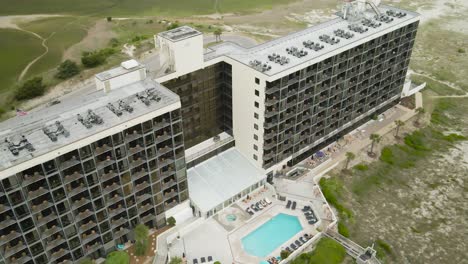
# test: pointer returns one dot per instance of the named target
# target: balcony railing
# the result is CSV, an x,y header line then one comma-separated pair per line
x,y
23,259
102,149
141,186
87,226
37,208
163,162
141,198
76,190
137,162
57,241
122,231
58,254
91,248
9,251
78,203
110,188
168,206
40,191
145,208
136,149
50,231
134,135
28,179
7,238
147,218
75,176
114,199
44,220
85,238
118,222
69,163
84,214
102,164
4,208
162,137
116,211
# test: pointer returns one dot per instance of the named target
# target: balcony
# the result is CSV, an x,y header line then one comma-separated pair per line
x,y
137,162
58,254
102,164
272,101
171,194
44,220
145,208
93,247
28,179
116,211
40,191
7,238
102,149
53,243
110,188
141,186
270,124
23,259
163,162
162,137
37,208
83,215
85,238
87,226
4,208
114,199
139,174
168,206
136,149
269,155
78,203
147,218
75,176
161,124
69,163
168,184
273,89
122,231
76,190
118,222
132,136
109,175
50,231
9,251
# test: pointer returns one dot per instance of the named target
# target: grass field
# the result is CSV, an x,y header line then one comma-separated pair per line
x,y
133,7
17,49
61,33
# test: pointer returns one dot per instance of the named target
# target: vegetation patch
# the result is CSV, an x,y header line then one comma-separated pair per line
x,y
383,249
361,167
95,58
327,251
30,89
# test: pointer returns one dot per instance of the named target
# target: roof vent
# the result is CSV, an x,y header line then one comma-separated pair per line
x,y
23,144
330,40
312,45
343,34
129,64
357,28
383,18
276,58
370,23
147,96
90,119
121,106
299,53
59,130
259,66
396,14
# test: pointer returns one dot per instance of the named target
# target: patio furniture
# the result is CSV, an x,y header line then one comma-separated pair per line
x,y
288,249
202,260
298,243
306,208
254,208
210,258
294,205
267,201
288,205
294,247
249,211
311,222
259,206
302,239
195,261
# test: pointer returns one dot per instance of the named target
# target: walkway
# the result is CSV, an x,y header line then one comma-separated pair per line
x,y
353,249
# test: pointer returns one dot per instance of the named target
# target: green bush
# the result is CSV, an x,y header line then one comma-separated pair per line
x,y
217,262
415,140
67,69
30,89
96,58
172,26
118,257
331,189
171,221
86,261
361,167
387,155
284,254
343,229
175,260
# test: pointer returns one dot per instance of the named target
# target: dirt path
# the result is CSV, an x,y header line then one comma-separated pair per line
x,y
44,40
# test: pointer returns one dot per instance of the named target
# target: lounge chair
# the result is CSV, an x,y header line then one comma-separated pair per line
x,y
210,258
302,239
259,206
254,208
311,222
195,261
202,260
249,211
263,203
309,217
288,249
267,201
308,213
307,236
288,205
294,205
294,247
298,243
306,208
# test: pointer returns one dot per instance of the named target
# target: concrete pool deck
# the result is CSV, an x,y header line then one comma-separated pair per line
x,y
235,237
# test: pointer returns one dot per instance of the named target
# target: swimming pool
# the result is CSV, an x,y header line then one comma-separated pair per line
x,y
272,234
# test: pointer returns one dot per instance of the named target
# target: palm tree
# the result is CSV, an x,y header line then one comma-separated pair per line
x,y
217,34
375,138
141,239
349,157
419,113
398,124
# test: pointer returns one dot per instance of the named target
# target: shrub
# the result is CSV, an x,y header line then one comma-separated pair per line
x,y
343,229
86,261
67,69
118,257
172,26
461,50
175,260
171,221
284,254
96,58
361,167
114,42
327,251
30,89
387,155
217,262
109,19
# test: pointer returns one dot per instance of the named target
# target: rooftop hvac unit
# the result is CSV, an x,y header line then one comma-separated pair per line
x,y
130,64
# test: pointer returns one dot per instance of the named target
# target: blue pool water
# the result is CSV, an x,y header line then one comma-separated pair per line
x,y
269,236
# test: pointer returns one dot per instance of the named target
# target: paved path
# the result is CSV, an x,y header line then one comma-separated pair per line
x,y
352,249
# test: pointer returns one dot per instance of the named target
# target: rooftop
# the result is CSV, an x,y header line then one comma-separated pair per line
x,y
59,125
180,33
283,53
125,67
216,180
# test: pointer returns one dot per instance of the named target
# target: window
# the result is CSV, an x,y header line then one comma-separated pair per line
x,y
256,115
256,126
255,147
256,104
257,80
255,137
255,157
257,93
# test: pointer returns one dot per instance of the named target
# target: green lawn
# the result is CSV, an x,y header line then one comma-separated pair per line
x,y
62,33
132,7
17,49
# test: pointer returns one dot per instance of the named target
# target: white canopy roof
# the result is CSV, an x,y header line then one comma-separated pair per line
x,y
218,179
